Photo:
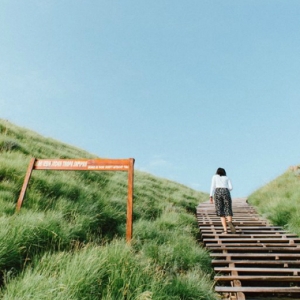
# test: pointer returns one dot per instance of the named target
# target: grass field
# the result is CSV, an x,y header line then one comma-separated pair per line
x,y
279,201
68,241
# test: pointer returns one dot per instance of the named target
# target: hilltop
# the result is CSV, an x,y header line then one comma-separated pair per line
x,y
68,241
279,200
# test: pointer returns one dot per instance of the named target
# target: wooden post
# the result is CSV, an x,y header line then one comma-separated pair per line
x,y
130,201
25,184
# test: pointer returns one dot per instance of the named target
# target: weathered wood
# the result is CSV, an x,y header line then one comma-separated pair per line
x,y
259,255
256,278
258,235
235,245
229,289
25,184
257,248
284,263
249,240
245,229
258,270
237,283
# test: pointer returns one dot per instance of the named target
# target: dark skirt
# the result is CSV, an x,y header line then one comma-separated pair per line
x,y
223,203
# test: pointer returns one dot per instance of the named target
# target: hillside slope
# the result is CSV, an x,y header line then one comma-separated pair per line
x,y
68,240
279,201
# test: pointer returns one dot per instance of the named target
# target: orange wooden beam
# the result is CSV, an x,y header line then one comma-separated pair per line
x,y
25,184
130,201
82,164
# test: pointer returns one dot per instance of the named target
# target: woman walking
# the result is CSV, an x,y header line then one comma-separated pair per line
x,y
220,193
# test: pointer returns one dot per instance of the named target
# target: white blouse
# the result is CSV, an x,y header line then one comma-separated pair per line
x,y
220,182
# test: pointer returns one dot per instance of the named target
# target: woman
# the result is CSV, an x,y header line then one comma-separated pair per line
x,y
220,192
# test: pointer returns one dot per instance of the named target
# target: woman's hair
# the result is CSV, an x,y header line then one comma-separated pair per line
x,y
221,172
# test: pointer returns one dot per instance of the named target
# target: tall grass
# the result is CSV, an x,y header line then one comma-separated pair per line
x,y
68,241
279,201
110,272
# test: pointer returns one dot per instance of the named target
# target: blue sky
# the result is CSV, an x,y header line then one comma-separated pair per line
x,y
184,87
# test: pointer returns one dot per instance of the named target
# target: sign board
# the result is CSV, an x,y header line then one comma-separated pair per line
x,y
82,164
85,165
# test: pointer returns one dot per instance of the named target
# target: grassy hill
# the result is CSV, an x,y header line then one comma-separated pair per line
x,y
68,241
279,201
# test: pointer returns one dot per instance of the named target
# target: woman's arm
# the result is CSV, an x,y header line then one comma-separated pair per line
x,y
229,185
212,188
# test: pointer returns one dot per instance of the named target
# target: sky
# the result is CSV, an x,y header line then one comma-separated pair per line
x,y
184,87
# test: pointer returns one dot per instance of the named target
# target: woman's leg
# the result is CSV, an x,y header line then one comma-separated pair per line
x,y
223,221
219,205
228,210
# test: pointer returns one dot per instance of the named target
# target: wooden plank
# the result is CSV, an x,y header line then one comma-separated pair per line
x,y
256,262
242,223
257,278
245,229
226,237
253,243
81,164
256,255
215,233
247,289
237,245
249,228
257,248
236,220
260,270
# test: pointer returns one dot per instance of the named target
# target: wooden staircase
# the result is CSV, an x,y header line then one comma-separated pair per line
x,y
260,261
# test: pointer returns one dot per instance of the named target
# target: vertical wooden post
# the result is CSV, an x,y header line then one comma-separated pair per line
x,y
26,180
130,201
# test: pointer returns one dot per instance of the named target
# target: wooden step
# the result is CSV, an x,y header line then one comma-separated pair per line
x,y
283,263
257,255
226,237
255,249
259,259
249,234
257,278
258,270
265,245
230,289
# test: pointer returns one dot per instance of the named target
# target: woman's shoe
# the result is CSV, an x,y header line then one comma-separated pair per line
x,y
232,228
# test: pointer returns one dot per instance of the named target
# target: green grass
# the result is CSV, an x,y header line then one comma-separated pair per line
x,y
107,272
279,201
68,241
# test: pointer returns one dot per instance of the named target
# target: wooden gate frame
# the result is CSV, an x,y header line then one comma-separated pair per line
x,y
85,165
